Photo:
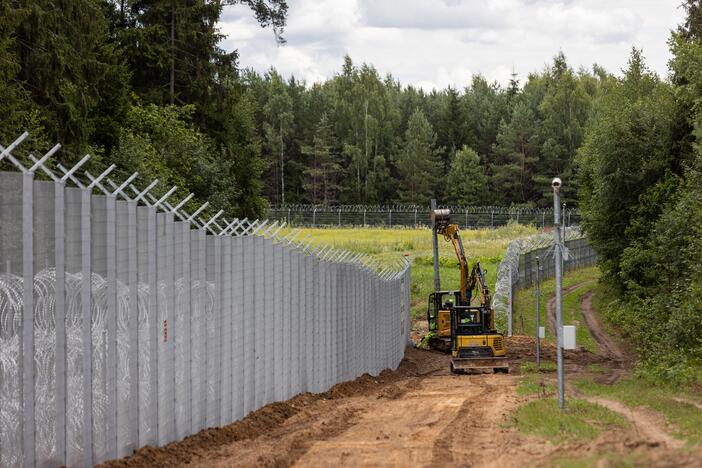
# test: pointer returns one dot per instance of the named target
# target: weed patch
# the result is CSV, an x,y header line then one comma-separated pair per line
x,y
529,367
580,420
532,385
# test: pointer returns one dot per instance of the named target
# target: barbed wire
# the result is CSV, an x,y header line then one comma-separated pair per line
x,y
410,208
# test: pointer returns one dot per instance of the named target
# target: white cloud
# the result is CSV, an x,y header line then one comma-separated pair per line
x,y
434,43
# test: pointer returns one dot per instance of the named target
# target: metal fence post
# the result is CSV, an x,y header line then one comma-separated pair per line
x,y
86,335
27,335
510,308
538,312
556,184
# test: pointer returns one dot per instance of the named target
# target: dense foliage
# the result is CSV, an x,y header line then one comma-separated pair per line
x,y
145,85
641,195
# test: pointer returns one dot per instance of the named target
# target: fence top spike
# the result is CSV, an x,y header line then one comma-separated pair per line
x,y
270,227
101,176
213,219
275,233
161,200
7,152
69,175
40,163
46,170
120,190
198,211
183,202
146,190
95,182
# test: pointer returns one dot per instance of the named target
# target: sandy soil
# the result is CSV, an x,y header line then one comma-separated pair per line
x,y
422,415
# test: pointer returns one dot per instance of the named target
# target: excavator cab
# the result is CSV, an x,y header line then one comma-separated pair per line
x,y
439,318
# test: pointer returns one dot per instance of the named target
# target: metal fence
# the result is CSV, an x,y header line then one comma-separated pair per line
x,y
579,254
518,267
468,217
125,321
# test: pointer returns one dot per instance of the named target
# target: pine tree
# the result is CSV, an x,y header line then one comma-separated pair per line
x,y
418,161
449,127
565,109
322,170
17,111
515,153
279,118
466,182
72,72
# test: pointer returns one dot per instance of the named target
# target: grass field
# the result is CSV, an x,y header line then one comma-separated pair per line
x,y
387,245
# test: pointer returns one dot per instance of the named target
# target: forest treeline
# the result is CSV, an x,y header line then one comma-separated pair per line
x,y
146,85
640,171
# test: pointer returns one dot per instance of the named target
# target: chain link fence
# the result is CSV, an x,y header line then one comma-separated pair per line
x,y
125,321
468,217
518,267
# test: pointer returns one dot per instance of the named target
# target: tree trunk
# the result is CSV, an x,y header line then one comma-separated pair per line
x,y
282,166
365,137
172,80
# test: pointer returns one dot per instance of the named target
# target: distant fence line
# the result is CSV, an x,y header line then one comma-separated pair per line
x,y
468,217
125,321
518,267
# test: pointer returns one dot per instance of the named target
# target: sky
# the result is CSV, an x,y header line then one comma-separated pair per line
x,y
437,43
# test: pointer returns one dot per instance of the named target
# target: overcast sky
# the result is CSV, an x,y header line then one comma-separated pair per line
x,y
435,43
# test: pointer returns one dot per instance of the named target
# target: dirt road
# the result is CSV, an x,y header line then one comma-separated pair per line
x,y
420,415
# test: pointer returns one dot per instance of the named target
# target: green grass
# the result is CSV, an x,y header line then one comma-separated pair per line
x,y
530,367
613,459
675,404
387,245
580,419
525,306
596,368
535,385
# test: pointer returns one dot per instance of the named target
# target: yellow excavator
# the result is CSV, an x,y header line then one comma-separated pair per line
x,y
462,322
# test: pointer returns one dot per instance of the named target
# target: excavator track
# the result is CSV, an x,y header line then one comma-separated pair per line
x,y
440,344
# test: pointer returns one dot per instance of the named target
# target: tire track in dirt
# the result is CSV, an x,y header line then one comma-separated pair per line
x,y
551,305
442,454
646,423
606,345
396,432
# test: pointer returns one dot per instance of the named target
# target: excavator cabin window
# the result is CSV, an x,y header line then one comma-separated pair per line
x,y
468,317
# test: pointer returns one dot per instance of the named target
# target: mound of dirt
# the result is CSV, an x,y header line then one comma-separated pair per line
x,y
264,420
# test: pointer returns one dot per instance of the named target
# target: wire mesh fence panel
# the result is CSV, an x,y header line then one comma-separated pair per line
x,y
518,267
122,327
237,329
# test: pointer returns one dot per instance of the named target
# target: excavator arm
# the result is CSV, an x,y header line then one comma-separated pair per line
x,y
450,233
477,281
